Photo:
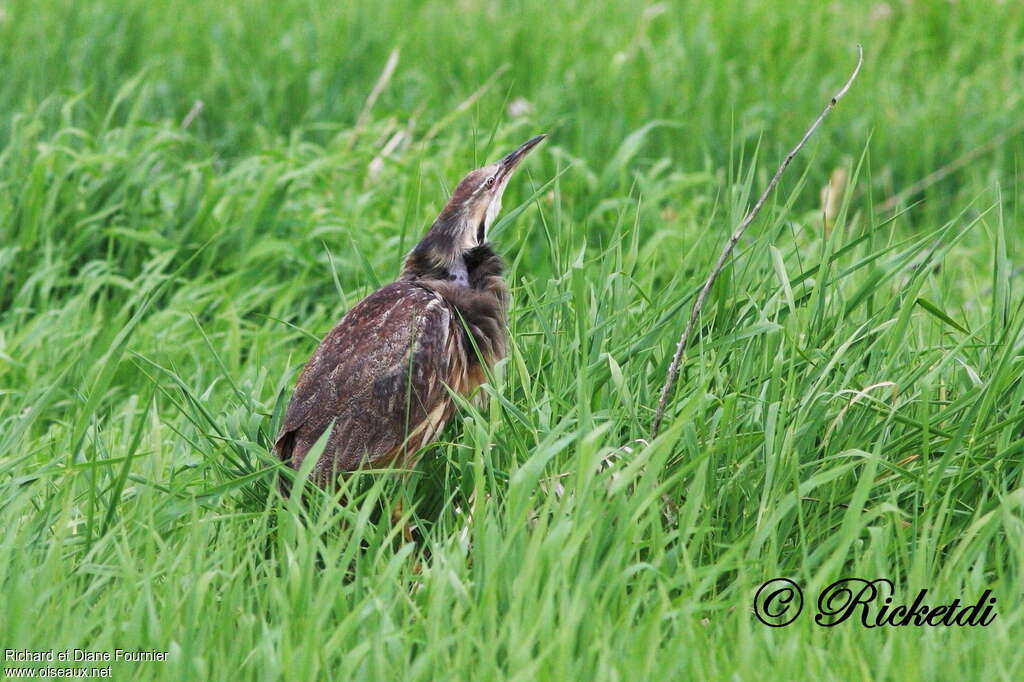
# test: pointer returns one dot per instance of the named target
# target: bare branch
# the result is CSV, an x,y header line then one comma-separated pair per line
x,y
673,368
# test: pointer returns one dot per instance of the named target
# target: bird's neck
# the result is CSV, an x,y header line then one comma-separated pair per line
x,y
470,269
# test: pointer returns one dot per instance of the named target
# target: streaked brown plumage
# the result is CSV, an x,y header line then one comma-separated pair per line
x,y
382,375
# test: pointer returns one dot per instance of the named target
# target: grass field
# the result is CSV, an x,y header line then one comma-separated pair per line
x,y
852,406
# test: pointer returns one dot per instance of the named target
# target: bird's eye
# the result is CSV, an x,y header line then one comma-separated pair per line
x,y
489,182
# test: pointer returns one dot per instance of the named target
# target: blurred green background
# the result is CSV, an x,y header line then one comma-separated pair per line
x,y
192,193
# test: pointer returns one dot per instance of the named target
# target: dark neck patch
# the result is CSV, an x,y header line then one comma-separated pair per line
x,y
470,269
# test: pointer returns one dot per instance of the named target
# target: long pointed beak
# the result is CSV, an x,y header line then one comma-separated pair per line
x,y
512,159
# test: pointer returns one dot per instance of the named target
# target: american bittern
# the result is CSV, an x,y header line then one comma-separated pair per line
x,y
382,375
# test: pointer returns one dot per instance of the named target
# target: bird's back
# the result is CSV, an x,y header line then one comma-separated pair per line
x,y
380,377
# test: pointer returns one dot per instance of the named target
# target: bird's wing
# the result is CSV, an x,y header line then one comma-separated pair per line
x,y
380,376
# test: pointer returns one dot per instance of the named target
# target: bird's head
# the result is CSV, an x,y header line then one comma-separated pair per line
x,y
464,222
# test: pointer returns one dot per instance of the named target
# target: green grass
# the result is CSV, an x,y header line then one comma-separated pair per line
x,y
852,406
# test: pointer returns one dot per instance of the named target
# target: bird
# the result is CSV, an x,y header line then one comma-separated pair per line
x,y
382,379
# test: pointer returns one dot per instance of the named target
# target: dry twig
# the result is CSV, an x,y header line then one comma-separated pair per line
x,y
673,368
